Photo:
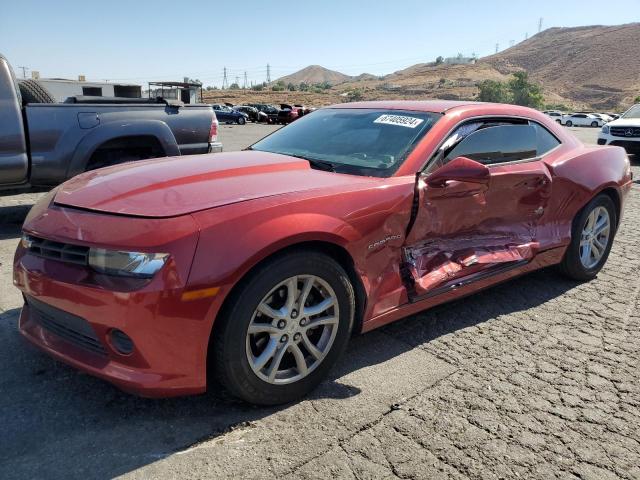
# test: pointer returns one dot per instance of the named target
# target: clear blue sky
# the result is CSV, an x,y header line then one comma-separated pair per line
x,y
166,40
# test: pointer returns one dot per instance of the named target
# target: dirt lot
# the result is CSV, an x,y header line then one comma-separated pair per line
x,y
537,378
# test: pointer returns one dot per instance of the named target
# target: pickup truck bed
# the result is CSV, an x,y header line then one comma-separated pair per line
x,y
43,144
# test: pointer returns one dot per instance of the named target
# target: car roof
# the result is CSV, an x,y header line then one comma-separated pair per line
x,y
439,106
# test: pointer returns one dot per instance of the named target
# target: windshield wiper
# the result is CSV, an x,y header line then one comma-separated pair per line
x,y
320,165
317,164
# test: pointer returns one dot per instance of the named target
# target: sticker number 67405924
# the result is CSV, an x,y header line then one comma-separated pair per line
x,y
399,120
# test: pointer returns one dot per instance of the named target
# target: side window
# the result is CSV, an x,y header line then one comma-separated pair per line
x,y
545,141
496,144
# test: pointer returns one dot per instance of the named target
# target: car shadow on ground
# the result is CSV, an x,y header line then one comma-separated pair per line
x,y
62,423
14,214
10,231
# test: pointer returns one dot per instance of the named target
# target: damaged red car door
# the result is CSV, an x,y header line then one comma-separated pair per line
x,y
478,213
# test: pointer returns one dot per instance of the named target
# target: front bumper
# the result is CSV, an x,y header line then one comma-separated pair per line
x,y
83,308
630,144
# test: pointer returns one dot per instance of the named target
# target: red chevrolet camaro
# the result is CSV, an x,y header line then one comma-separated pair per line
x,y
257,266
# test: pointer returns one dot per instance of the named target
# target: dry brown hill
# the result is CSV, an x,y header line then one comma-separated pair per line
x,y
584,67
315,74
596,65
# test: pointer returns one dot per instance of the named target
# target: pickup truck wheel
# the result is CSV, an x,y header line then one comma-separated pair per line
x,y
284,328
32,92
241,121
591,239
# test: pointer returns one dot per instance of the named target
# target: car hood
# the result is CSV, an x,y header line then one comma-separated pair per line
x,y
175,186
625,122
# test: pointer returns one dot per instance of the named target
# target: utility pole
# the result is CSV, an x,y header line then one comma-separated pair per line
x,y
225,82
526,36
237,80
268,73
24,71
497,47
245,81
540,25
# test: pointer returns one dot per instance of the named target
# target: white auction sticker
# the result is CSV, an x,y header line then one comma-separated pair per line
x,y
400,120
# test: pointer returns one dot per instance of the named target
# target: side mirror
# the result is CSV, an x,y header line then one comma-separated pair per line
x,y
460,169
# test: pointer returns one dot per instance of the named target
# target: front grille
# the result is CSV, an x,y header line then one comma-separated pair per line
x,y
73,329
625,131
64,252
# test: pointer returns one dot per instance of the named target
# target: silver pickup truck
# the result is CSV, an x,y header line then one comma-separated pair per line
x,y
44,144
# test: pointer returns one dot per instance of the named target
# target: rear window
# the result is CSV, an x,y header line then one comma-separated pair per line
x,y
371,142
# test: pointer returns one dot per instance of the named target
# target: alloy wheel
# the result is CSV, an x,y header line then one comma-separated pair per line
x,y
292,330
595,237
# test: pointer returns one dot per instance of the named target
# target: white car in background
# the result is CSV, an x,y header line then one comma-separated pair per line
x,y
623,132
581,120
605,118
555,114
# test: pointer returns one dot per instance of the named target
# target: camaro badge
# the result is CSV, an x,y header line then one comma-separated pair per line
x,y
383,241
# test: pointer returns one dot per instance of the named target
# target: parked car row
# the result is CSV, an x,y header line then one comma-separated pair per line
x,y
260,112
581,119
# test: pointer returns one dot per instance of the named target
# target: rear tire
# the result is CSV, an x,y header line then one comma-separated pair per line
x,y
575,264
241,121
594,124
237,351
32,92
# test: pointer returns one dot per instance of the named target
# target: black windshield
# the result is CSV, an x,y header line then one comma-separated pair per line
x,y
369,142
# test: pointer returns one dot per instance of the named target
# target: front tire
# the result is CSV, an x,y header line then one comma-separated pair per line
x,y
592,236
569,123
284,328
594,124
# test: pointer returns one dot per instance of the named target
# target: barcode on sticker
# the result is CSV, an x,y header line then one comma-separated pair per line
x,y
400,120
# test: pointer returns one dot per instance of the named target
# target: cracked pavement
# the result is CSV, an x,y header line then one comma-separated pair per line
x,y
535,378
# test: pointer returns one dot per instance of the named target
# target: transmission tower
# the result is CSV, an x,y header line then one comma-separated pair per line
x,y
268,73
497,47
526,36
540,25
24,71
225,81
511,43
245,81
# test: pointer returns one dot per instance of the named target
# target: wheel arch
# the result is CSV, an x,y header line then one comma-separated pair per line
x,y
614,195
130,142
112,132
328,248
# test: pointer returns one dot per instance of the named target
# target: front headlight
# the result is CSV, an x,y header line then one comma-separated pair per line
x,y
605,129
126,264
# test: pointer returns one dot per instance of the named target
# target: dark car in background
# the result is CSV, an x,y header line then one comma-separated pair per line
x,y
271,111
253,114
226,114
